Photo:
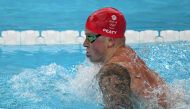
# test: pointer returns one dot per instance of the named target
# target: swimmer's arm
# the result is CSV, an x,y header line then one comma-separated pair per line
x,y
115,85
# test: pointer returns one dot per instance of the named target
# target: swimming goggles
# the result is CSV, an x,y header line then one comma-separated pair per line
x,y
92,38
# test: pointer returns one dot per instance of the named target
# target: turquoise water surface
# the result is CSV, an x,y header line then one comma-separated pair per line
x,y
72,14
60,77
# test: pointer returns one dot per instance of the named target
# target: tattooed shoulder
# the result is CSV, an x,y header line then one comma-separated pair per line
x,y
114,82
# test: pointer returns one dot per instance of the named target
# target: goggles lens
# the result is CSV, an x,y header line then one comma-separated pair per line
x,y
92,38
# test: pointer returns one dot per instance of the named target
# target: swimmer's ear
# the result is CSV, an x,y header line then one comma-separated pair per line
x,y
111,42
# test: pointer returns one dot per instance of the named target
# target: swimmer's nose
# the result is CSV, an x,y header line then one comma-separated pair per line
x,y
85,43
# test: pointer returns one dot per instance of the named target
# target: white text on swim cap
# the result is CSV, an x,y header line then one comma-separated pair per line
x,y
109,31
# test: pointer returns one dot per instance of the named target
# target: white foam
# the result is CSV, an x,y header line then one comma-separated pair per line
x,y
29,83
170,35
85,85
24,85
39,84
185,35
179,96
132,36
29,37
148,36
51,37
11,37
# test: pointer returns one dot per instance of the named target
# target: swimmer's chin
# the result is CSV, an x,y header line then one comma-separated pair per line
x,y
90,58
93,60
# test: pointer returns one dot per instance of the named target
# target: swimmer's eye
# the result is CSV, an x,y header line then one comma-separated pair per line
x,y
92,38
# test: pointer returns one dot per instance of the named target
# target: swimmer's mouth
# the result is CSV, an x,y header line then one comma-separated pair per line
x,y
87,54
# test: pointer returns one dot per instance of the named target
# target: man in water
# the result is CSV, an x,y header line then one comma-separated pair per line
x,y
124,78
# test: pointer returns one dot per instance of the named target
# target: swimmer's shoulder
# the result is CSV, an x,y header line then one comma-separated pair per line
x,y
114,82
113,69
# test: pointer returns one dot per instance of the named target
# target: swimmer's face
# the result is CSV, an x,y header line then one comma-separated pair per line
x,y
95,46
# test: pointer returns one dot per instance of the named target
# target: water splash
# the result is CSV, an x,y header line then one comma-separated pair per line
x,y
36,84
85,83
54,83
180,94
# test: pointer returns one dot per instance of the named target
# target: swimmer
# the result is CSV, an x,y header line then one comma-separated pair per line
x,y
124,78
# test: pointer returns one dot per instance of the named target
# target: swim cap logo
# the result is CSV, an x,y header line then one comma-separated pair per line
x,y
114,17
111,29
113,22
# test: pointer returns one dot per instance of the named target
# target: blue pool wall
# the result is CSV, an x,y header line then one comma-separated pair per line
x,y
54,37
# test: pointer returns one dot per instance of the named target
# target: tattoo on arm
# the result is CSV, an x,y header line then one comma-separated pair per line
x,y
114,83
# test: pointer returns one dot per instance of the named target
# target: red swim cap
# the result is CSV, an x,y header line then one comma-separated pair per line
x,y
108,22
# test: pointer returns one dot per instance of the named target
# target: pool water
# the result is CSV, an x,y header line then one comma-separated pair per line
x,y
60,76
72,14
